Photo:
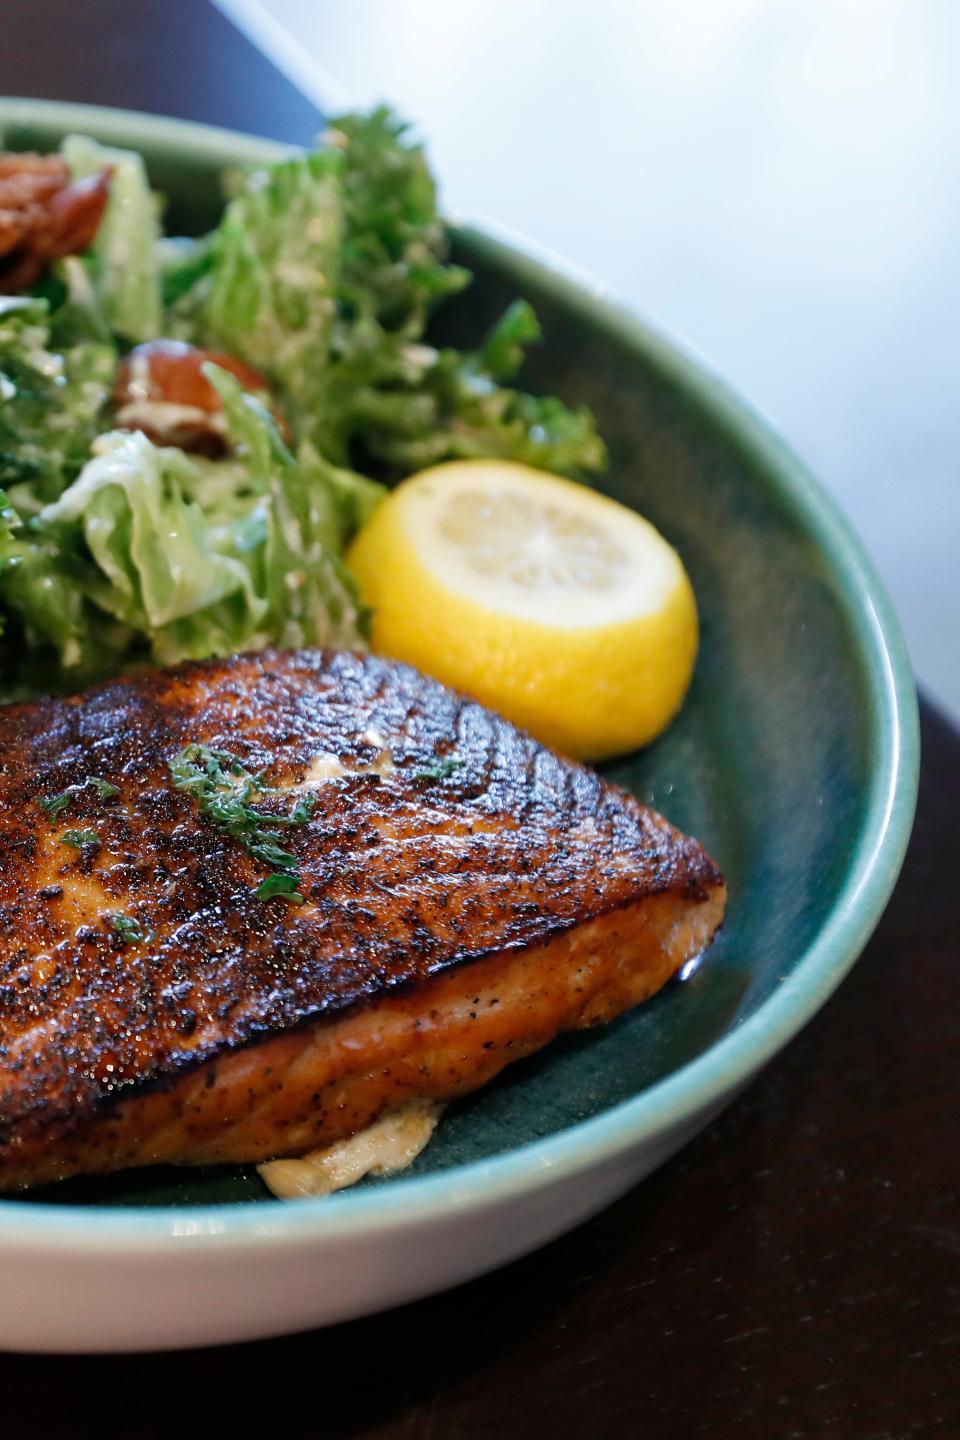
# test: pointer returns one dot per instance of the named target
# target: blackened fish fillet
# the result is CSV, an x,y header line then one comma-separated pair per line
x,y
468,895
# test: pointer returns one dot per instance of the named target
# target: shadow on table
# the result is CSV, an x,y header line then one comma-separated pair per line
x,y
455,1364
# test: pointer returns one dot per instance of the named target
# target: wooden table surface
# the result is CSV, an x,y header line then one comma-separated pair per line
x,y
794,1273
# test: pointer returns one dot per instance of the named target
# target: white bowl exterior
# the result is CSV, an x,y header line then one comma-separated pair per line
x,y
191,1290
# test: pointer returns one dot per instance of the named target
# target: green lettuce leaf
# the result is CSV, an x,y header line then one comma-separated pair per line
x,y
353,497
424,406
50,631
147,556
311,597
51,403
9,524
182,263
75,303
153,556
324,274
124,251
394,267
388,403
393,271
265,291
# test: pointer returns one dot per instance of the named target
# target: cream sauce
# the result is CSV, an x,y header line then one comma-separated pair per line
x,y
390,1144
325,767
162,417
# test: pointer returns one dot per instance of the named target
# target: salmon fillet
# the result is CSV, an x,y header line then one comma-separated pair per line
x,y
467,895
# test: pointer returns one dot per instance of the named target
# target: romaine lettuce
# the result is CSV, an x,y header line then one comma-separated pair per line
x,y
151,561
311,597
125,248
265,292
323,274
334,308
51,403
148,556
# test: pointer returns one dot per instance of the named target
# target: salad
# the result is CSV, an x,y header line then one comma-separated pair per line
x,y
192,430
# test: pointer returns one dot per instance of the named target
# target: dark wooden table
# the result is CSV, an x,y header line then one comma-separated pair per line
x,y
794,1273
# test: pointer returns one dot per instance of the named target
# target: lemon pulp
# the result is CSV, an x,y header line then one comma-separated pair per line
x,y
558,607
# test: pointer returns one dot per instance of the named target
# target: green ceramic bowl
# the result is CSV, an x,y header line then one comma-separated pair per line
x,y
794,761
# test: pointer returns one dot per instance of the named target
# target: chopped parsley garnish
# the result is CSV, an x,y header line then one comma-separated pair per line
x,y
79,838
104,789
303,809
131,932
440,770
53,804
226,793
283,884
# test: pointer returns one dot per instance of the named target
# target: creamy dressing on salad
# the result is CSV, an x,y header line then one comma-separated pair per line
x,y
165,417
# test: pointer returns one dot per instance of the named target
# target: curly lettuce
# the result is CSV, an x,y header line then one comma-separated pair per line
x,y
310,595
265,288
453,405
324,274
124,254
148,557
51,402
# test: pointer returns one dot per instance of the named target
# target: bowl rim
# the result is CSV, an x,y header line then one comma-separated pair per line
x,y
703,1084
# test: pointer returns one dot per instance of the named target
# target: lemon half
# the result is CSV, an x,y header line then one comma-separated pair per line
x,y
561,609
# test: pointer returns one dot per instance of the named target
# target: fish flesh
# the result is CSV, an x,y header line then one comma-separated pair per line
x,y
444,896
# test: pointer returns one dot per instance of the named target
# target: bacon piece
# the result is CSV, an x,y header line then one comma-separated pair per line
x,y
161,389
43,216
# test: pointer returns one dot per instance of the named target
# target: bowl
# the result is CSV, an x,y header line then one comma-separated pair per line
x,y
794,761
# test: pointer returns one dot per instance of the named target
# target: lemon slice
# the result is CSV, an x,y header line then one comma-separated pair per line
x,y
562,609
